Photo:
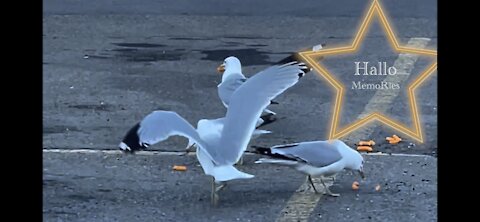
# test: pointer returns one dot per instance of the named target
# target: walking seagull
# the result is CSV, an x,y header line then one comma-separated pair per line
x,y
218,148
315,159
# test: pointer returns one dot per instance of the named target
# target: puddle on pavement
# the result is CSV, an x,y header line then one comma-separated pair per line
x,y
92,107
138,45
146,52
248,57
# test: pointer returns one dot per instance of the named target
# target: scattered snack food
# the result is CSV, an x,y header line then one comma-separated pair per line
x,y
179,168
394,139
377,188
364,148
355,185
366,143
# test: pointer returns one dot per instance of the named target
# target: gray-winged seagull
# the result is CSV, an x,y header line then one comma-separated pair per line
x,y
315,158
218,149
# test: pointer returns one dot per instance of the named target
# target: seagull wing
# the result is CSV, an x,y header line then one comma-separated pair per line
x,y
159,126
315,153
246,105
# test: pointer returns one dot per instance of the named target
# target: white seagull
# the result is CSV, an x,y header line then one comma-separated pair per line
x,y
233,78
216,126
315,159
221,147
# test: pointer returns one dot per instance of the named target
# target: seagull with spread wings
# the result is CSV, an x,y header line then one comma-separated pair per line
x,y
221,146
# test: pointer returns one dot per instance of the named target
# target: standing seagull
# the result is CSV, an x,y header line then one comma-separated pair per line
x,y
315,159
219,148
233,78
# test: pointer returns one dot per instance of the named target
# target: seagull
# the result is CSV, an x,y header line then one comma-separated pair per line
x,y
232,76
315,159
232,79
216,125
218,148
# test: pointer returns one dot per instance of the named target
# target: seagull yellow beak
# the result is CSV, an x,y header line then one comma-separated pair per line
x,y
221,68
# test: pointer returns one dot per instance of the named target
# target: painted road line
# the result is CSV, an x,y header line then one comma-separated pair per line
x,y
181,153
117,152
300,206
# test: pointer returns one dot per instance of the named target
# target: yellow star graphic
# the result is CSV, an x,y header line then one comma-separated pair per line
x,y
310,56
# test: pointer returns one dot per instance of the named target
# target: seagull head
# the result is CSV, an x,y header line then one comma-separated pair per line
x,y
354,160
360,170
230,65
131,141
357,163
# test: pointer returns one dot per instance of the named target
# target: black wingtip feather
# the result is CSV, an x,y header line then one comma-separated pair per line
x,y
285,146
273,102
268,152
132,140
294,57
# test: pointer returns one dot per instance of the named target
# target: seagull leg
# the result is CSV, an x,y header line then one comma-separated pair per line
x,y
214,195
188,150
308,186
311,182
306,179
220,187
328,190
